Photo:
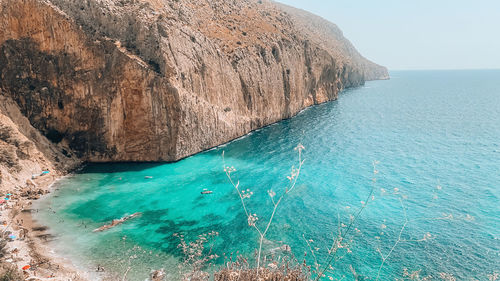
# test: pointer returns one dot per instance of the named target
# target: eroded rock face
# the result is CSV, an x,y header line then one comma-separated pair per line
x,y
151,80
24,152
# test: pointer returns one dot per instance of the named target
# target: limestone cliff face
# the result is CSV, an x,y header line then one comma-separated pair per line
x,y
150,80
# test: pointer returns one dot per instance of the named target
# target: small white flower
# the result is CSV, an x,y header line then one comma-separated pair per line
x,y
299,147
271,193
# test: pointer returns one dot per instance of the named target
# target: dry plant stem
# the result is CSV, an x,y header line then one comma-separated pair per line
x,y
125,275
396,243
399,240
316,265
332,252
262,234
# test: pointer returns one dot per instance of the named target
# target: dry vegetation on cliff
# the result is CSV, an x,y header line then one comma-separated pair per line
x,y
161,80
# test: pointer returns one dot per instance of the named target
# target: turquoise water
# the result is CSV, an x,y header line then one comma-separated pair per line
x,y
436,135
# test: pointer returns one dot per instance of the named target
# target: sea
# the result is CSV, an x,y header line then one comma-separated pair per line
x,y
405,171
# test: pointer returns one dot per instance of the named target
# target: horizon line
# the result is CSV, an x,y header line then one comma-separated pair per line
x,y
437,69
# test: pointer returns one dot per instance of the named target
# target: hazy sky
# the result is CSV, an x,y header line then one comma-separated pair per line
x,y
418,34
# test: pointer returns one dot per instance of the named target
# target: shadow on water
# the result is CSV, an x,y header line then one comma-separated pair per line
x,y
118,167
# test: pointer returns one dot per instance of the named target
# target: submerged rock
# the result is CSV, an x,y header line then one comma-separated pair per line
x,y
116,222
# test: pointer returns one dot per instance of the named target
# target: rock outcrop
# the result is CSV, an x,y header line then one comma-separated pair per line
x,y
25,154
158,80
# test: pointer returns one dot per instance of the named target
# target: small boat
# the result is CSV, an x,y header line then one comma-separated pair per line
x,y
148,177
207,192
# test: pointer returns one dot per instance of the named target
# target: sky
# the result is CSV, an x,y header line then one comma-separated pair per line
x,y
417,34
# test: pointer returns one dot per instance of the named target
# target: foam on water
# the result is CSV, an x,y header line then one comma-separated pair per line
x,y
435,133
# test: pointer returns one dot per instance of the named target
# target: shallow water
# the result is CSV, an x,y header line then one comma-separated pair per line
x,y
436,135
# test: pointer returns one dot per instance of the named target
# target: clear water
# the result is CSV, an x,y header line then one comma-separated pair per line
x,y
435,133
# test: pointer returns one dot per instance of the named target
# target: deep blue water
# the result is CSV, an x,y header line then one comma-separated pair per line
x,y
436,135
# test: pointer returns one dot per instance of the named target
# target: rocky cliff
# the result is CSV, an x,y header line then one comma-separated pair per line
x,y
25,154
151,80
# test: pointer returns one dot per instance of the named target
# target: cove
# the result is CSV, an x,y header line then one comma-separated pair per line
x,y
435,134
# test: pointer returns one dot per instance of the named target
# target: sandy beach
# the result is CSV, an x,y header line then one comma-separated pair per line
x,y
27,247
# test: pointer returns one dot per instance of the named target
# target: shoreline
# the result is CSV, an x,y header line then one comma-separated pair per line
x,y
29,245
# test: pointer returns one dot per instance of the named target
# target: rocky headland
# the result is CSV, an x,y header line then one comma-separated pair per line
x,y
159,80
154,80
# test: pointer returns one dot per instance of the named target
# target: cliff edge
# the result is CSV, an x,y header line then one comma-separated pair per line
x,y
153,80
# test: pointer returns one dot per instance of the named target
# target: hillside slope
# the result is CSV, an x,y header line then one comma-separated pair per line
x,y
153,80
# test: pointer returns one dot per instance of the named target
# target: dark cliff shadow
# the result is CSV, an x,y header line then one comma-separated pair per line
x,y
118,167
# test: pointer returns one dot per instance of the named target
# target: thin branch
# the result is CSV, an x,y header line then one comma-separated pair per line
x,y
397,241
293,180
331,256
312,253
